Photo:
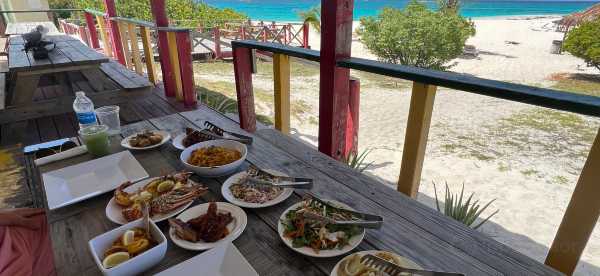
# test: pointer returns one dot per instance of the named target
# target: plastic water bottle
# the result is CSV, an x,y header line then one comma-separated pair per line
x,y
84,109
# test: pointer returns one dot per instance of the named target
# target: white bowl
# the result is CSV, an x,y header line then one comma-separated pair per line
x,y
136,264
217,170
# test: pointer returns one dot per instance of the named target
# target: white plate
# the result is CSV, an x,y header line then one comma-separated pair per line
x,y
166,137
223,260
85,180
236,227
178,141
287,192
113,210
354,241
408,262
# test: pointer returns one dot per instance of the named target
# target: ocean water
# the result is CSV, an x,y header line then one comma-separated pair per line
x,y
286,10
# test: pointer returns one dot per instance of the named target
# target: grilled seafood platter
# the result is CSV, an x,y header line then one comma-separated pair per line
x,y
146,140
166,195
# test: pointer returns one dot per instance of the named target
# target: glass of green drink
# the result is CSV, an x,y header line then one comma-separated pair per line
x,y
95,139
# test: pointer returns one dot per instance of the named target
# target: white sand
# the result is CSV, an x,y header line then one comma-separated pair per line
x,y
523,179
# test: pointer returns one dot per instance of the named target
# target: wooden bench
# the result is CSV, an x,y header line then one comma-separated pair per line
x,y
123,76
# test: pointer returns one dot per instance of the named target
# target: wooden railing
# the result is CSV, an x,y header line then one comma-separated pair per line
x,y
122,37
584,208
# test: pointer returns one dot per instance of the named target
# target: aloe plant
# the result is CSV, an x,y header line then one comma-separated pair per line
x,y
357,161
465,212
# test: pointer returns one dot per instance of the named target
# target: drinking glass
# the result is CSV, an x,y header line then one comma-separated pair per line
x,y
95,138
109,116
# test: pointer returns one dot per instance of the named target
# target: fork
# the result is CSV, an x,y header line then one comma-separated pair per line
x,y
395,270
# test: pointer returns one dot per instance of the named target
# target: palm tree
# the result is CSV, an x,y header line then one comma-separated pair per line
x,y
312,16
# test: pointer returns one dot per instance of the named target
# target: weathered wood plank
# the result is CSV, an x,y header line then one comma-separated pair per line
x,y
148,54
135,49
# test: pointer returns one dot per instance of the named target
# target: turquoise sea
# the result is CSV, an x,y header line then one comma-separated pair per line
x,y
286,10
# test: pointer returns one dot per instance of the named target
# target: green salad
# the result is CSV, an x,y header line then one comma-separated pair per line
x,y
316,234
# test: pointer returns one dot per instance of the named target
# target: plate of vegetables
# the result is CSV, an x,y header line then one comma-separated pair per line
x,y
314,238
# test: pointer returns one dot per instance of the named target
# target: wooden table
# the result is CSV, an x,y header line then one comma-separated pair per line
x,y
410,228
25,71
15,28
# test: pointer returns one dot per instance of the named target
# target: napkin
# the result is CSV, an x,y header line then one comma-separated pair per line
x,y
25,243
61,155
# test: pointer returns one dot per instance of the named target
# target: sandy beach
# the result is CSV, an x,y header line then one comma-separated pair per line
x,y
526,158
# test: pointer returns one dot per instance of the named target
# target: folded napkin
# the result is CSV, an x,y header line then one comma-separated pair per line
x,y
61,155
25,244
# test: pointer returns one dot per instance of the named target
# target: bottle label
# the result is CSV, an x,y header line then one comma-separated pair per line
x,y
86,118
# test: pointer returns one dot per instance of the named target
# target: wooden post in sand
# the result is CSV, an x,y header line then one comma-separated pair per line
x,y
334,89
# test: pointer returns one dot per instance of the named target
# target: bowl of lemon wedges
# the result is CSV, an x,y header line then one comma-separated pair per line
x,y
129,249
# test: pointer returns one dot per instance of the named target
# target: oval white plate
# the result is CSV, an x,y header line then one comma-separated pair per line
x,y
166,137
287,192
354,241
113,210
236,227
178,141
409,263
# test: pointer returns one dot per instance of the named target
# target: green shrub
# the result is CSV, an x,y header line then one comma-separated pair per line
x,y
584,42
416,36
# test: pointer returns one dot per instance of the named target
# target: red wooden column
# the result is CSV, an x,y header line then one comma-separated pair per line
x,y
160,17
334,90
305,32
113,28
91,24
242,68
184,51
352,118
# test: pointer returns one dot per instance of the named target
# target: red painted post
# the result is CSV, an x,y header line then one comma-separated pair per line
x,y
285,40
83,35
305,32
160,17
113,29
217,35
334,89
352,118
243,31
264,29
184,50
89,19
242,68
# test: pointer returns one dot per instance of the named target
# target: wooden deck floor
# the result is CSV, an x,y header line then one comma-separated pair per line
x,y
32,131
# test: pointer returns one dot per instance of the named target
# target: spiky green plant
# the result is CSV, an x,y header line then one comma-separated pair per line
x,y
465,212
356,161
312,16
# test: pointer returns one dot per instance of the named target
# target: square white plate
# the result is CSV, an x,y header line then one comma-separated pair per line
x,y
223,260
82,181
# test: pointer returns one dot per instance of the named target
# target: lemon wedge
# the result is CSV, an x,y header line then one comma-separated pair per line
x,y
353,265
115,259
128,237
165,186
